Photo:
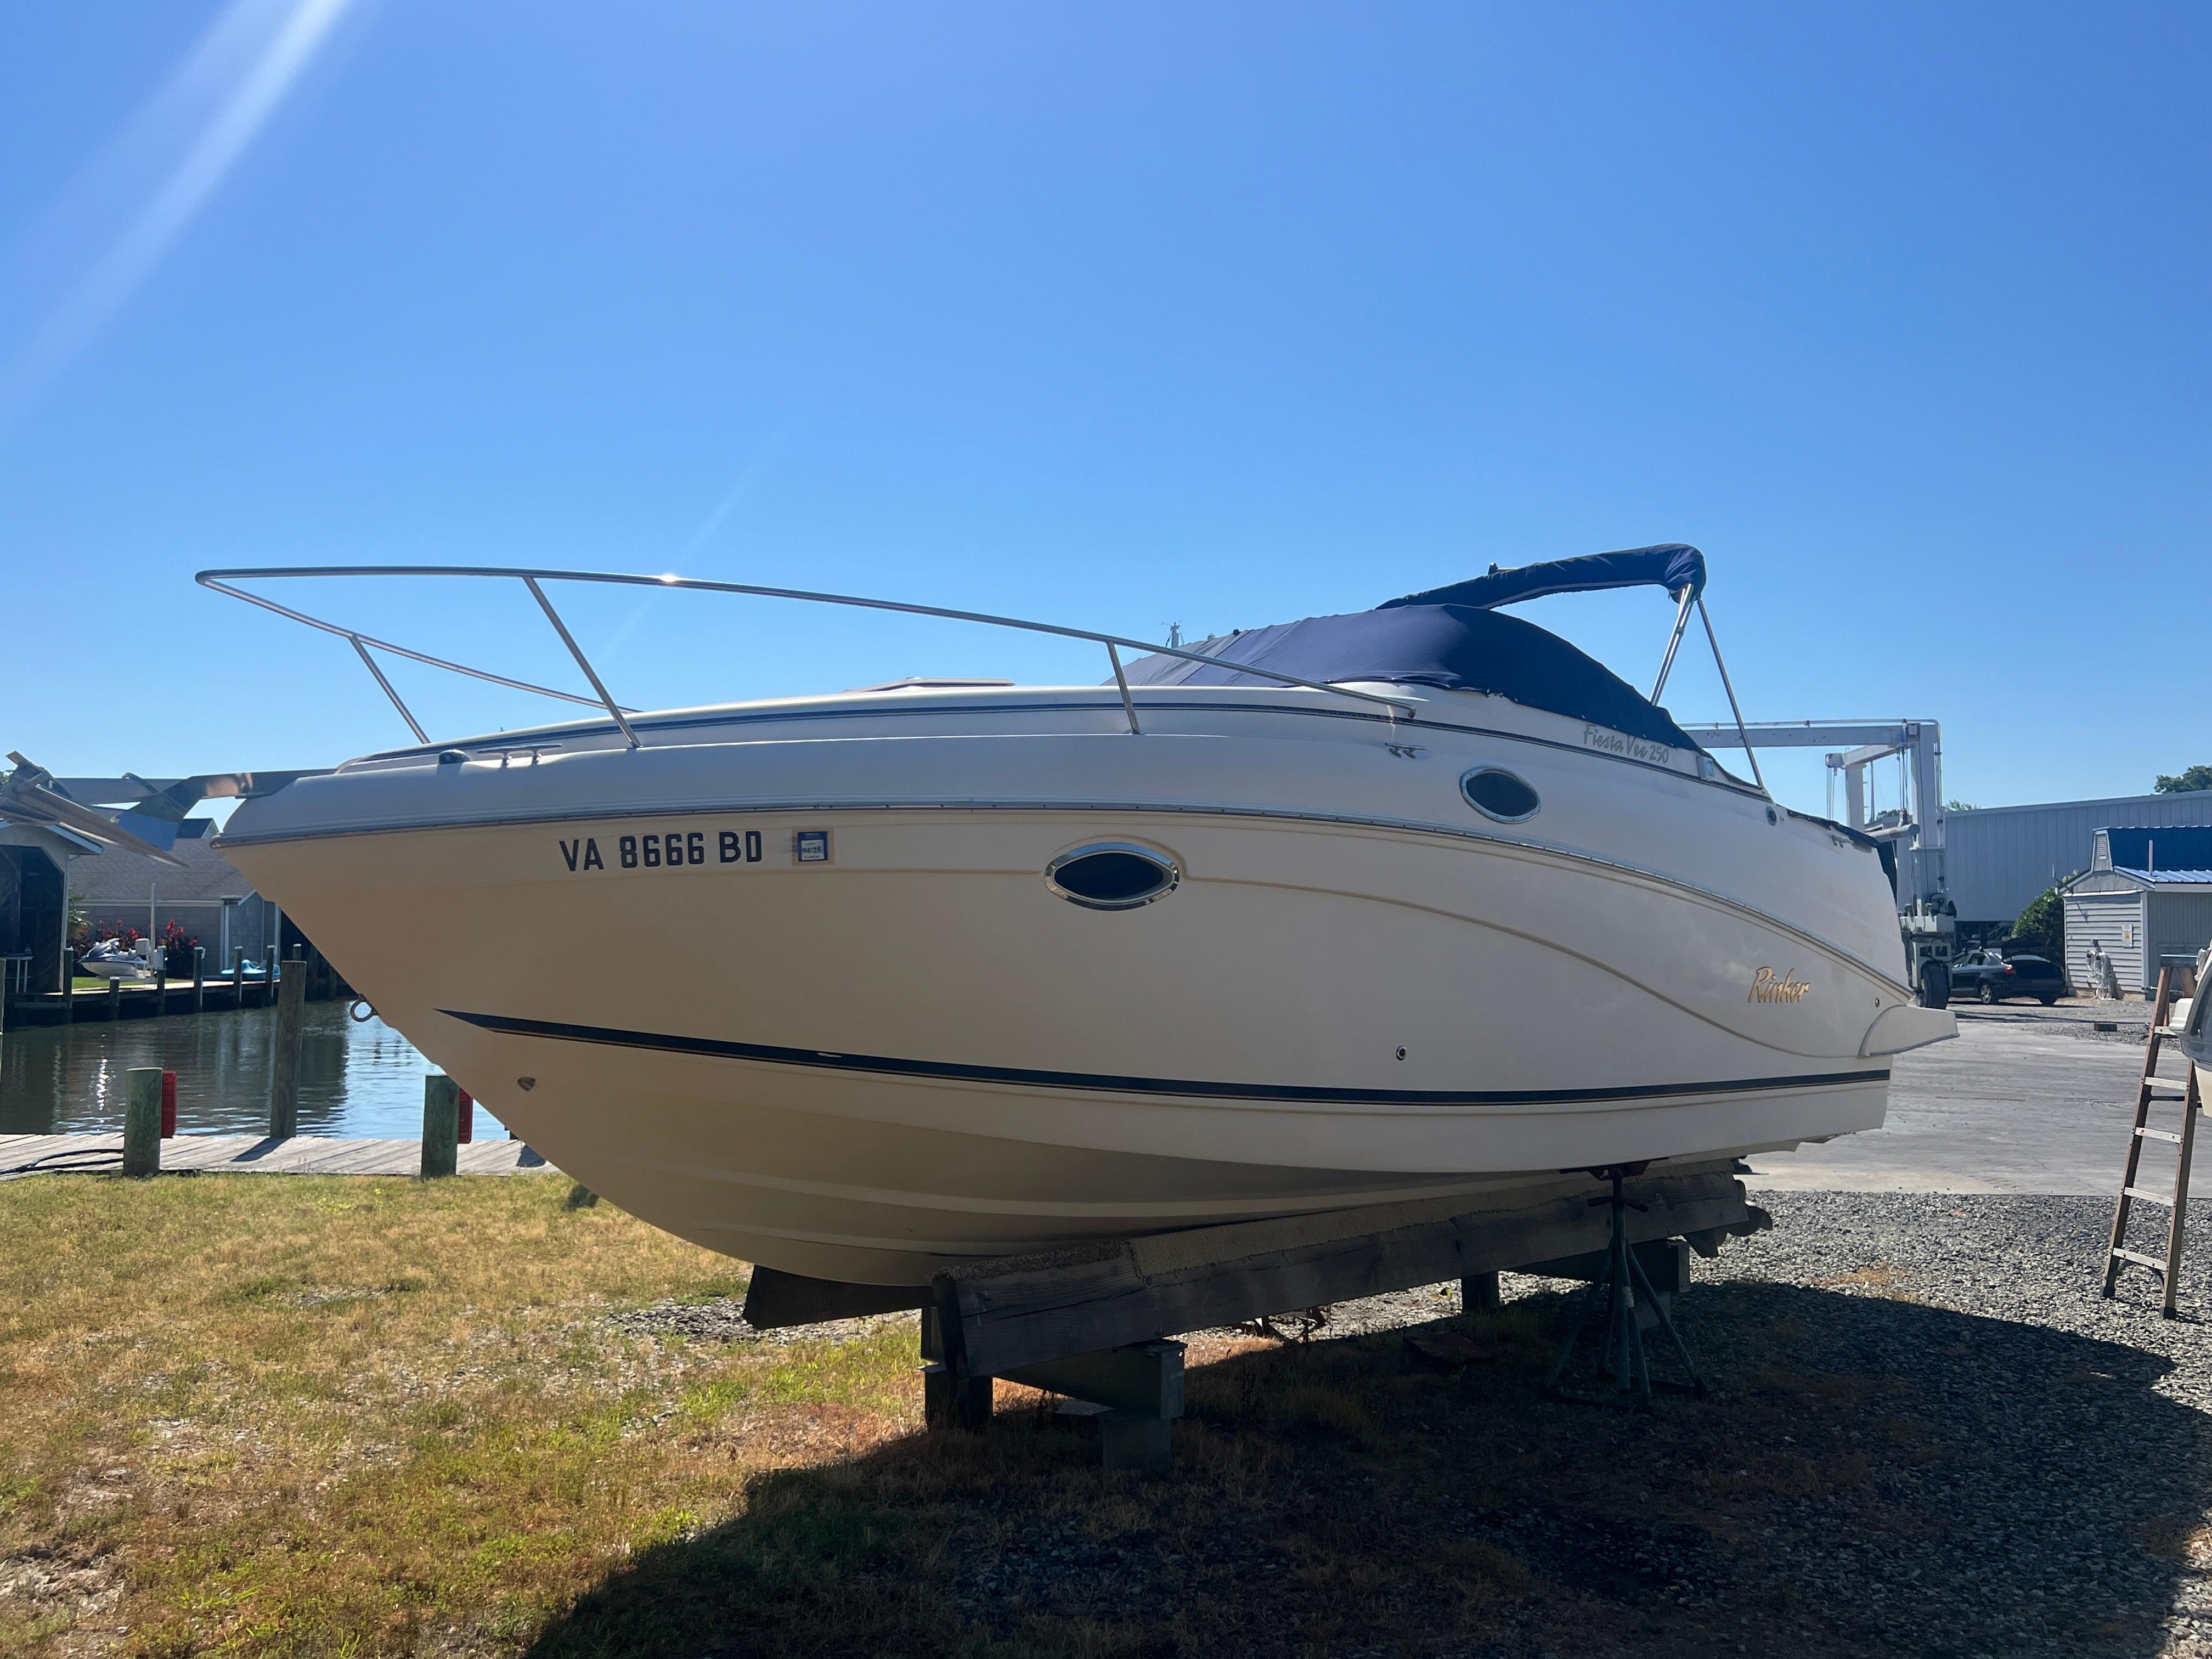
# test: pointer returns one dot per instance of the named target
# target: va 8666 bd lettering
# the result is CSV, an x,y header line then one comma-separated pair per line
x,y
672,849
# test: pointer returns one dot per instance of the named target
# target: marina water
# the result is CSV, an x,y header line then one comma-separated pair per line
x,y
355,1079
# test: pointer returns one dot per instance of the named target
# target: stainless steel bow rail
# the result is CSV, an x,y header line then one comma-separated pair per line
x,y
531,578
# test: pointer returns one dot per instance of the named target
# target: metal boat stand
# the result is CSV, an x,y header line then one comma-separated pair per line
x,y
1096,1322
1611,1307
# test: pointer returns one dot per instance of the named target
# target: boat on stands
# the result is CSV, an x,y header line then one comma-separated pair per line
x,y
1412,904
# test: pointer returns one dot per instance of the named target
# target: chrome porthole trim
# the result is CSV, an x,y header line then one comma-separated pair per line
x,y
1496,810
1167,871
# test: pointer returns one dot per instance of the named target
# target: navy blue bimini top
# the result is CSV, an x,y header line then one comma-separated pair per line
x,y
1449,637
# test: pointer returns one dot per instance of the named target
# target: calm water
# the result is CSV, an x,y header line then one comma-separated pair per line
x,y
355,1079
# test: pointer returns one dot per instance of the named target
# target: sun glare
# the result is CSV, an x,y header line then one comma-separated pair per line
x,y
227,90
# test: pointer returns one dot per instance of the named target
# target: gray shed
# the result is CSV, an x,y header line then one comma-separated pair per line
x,y
2147,894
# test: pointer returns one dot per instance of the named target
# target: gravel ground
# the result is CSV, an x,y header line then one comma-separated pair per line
x,y
722,1319
2077,1431
2052,1492
2075,1017
1928,1435
2136,1010
2041,1457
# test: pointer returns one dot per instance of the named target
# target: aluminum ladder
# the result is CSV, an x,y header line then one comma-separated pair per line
x,y
2154,1088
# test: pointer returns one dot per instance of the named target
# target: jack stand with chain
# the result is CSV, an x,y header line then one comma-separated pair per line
x,y
1611,1306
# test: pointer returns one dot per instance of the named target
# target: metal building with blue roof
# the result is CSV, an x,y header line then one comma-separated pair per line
x,y
2146,893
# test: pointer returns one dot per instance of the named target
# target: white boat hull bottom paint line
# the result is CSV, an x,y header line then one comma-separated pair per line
x,y
913,1050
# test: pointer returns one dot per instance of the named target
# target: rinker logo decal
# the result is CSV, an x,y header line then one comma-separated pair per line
x,y
1767,986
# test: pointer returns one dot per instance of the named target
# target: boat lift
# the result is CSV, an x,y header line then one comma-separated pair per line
x,y
1911,842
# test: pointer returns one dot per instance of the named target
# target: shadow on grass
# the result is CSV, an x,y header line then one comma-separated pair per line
x,y
1873,1476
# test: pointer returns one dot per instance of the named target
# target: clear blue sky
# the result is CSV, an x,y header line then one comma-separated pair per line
x,y
1119,316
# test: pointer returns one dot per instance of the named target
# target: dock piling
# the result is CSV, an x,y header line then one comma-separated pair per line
x,y
442,1126
284,1070
199,979
141,1121
114,999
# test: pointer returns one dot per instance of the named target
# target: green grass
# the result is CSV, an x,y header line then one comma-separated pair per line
x,y
346,1409
255,1416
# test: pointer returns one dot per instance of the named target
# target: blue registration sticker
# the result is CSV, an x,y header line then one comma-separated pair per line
x,y
810,847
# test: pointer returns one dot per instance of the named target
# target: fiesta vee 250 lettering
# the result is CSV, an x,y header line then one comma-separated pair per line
x,y
670,849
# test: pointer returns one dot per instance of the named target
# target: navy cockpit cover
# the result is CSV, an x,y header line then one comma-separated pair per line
x,y
1671,565
1443,639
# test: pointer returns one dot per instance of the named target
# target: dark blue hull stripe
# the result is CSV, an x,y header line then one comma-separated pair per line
x,y
722,1048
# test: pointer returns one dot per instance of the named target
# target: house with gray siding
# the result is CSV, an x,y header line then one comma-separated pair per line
x,y
2147,894
203,893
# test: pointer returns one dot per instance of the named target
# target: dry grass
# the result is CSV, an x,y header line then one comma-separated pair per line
x,y
254,1415
250,1416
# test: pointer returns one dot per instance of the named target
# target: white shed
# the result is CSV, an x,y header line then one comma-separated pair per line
x,y
2147,894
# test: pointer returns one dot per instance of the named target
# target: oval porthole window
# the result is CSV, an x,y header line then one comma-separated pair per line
x,y
1112,875
1498,794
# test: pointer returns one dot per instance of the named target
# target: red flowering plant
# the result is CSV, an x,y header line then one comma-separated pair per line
x,y
177,946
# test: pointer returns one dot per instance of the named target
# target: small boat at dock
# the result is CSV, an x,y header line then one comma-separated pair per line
x,y
110,958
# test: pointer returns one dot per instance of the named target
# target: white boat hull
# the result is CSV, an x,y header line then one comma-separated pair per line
x,y
913,1051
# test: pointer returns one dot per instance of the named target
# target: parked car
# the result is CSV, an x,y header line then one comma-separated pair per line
x,y
1993,976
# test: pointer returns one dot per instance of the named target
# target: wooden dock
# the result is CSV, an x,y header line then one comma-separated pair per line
x,y
139,999
27,1155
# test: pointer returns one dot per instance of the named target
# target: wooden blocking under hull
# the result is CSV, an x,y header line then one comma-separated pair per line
x,y
993,1318
955,1402
1144,1380
776,1300
1133,1394
1092,1322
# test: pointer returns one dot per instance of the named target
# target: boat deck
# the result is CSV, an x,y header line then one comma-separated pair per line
x,y
26,1155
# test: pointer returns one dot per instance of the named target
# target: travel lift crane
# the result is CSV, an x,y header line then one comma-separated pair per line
x,y
1911,835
